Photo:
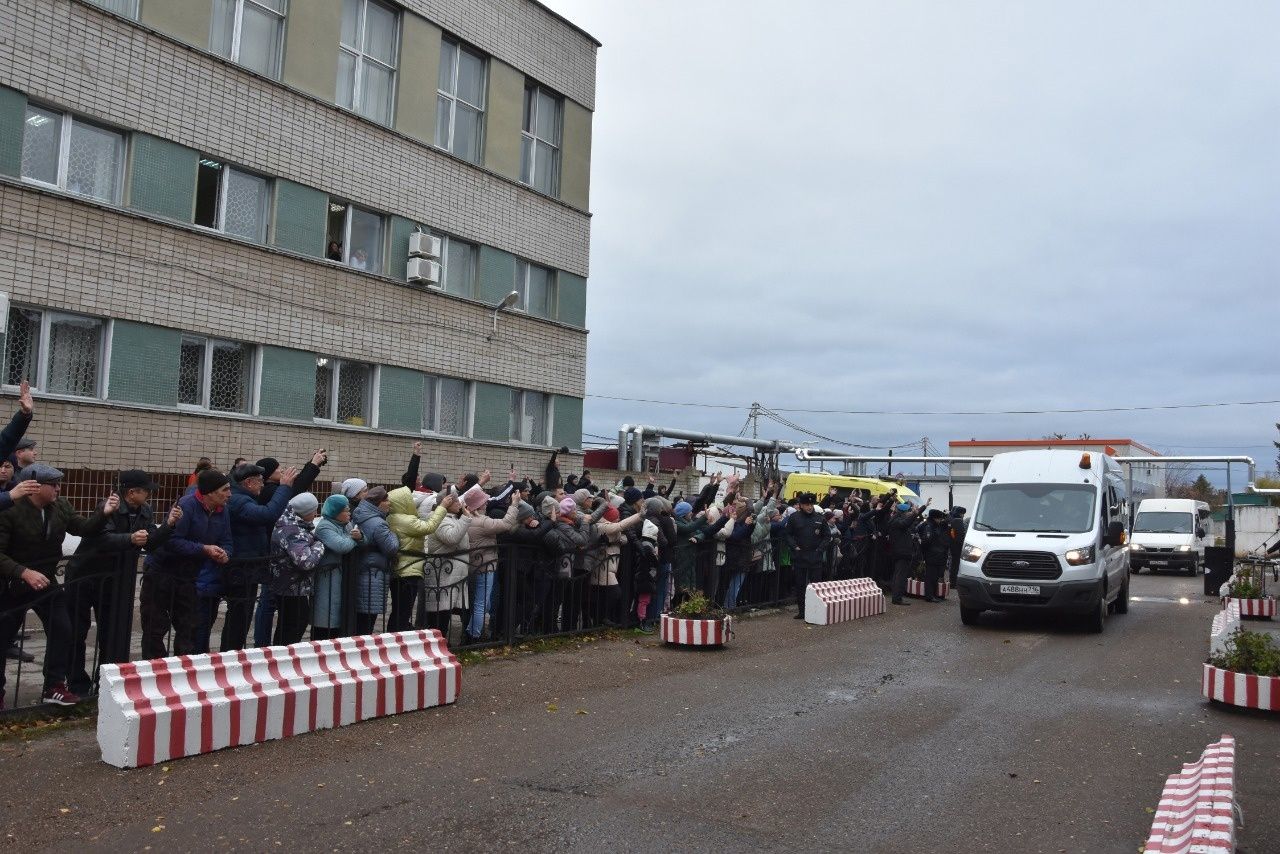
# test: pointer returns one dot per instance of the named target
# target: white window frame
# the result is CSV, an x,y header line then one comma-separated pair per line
x,y
64,154
220,217
336,374
468,407
482,109
346,237
473,251
41,381
550,416
361,58
235,34
206,375
522,288
534,139
131,13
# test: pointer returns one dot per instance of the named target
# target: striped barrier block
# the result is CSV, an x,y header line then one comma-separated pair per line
x,y
1262,608
1241,689
1225,623
686,632
1197,806
827,602
915,587
152,711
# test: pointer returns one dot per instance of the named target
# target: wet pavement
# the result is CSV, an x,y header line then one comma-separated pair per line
x,y
906,732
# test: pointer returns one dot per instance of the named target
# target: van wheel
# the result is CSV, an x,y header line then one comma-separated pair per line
x,y
1121,605
1096,621
1194,569
969,616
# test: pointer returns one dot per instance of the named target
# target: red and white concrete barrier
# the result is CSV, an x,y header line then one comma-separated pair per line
x,y
1197,807
686,632
827,602
1241,689
1254,607
152,711
915,587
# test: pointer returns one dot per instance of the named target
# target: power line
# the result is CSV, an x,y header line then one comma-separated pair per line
x,y
1075,411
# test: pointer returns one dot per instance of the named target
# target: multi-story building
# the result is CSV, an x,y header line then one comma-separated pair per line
x,y
207,212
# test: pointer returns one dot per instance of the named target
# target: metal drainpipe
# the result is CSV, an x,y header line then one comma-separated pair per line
x,y
622,446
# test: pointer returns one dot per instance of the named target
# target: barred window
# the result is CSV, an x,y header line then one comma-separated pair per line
x,y
55,352
344,391
71,154
530,411
216,375
445,402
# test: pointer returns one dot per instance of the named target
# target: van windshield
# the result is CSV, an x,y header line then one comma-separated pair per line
x,y
1152,522
1060,508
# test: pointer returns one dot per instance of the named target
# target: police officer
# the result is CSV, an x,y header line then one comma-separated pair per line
x,y
935,544
806,532
959,527
902,544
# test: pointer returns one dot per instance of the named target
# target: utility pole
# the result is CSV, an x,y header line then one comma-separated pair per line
x,y
754,417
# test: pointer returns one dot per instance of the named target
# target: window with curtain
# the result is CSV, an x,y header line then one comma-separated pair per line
x,y
529,417
71,154
250,32
344,391
540,140
215,375
22,347
460,100
231,200
444,405
74,355
367,58
459,267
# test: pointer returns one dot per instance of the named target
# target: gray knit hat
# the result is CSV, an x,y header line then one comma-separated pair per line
x,y
304,503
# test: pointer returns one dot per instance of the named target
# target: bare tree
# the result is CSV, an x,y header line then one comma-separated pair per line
x,y
1177,480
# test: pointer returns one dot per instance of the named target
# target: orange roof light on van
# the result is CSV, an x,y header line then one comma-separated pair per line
x,y
1086,461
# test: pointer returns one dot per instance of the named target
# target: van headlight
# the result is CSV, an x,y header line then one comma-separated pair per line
x,y
1184,548
1080,557
972,554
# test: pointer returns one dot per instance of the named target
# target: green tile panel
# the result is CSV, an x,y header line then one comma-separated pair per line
x,y
492,414
400,399
288,387
497,274
301,218
566,422
571,299
144,363
13,115
164,178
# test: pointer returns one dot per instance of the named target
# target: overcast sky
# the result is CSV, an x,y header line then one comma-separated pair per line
x,y
937,206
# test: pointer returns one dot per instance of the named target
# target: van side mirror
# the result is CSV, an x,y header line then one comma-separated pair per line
x,y
1200,534
1115,534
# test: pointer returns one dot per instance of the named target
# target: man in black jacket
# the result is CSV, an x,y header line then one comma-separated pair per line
x,y
959,528
902,543
100,579
806,532
935,545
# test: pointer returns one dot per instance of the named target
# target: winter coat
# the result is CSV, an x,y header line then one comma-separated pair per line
x,y
410,531
737,547
183,555
567,542
959,529
603,557
807,535
901,534
26,542
379,555
447,567
689,532
252,523
646,566
295,551
935,542
761,539
326,584
113,548
483,535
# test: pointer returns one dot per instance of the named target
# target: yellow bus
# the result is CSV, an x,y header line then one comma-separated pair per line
x,y
818,483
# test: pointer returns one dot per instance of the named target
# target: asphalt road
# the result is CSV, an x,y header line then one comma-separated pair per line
x,y
905,732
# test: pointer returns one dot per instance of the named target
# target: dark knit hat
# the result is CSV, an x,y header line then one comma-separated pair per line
x,y
631,495
211,480
628,481
268,465
433,481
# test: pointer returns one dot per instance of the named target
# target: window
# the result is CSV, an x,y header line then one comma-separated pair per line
x,y
343,391
71,154
444,405
529,417
459,260
355,237
536,286
216,375
232,201
460,101
367,58
126,8
250,32
540,141
55,352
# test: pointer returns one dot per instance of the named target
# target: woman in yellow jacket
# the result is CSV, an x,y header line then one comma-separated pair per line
x,y
411,531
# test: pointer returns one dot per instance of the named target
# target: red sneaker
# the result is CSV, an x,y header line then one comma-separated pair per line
x,y
59,695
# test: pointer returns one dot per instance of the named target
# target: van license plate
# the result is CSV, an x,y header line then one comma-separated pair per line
x,y
1158,562
1021,589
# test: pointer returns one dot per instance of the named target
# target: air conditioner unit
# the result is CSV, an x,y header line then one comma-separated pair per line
x,y
424,245
424,271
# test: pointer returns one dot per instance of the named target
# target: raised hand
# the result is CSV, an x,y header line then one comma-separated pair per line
x,y
175,514
24,398
417,449
289,475
112,504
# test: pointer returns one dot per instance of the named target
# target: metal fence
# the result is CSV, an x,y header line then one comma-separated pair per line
x,y
110,609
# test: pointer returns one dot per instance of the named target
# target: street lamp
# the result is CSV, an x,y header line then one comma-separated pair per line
x,y
507,301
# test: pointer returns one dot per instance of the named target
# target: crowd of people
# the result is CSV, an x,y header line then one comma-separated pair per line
x,y
257,547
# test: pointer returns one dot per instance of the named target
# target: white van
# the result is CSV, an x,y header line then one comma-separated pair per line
x,y
1048,535
1169,533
